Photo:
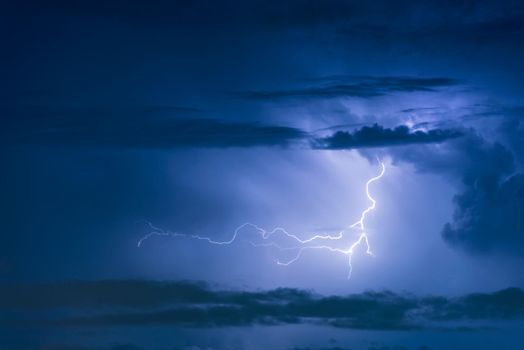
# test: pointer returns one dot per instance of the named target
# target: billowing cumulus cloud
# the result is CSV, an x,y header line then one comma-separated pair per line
x,y
488,212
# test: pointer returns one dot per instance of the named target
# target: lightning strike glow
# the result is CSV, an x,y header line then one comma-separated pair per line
x,y
300,244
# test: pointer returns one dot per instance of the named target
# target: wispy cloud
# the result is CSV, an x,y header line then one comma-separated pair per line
x,y
150,128
362,86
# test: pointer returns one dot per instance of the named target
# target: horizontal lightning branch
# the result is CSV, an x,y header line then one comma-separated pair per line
x,y
299,245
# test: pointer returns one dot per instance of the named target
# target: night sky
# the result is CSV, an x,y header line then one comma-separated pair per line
x,y
137,136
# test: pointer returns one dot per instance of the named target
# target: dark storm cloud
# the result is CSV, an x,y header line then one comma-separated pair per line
x,y
480,19
504,304
378,136
115,303
98,294
137,130
489,210
489,216
363,87
163,127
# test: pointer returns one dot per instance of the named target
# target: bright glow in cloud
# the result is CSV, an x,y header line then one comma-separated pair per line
x,y
272,238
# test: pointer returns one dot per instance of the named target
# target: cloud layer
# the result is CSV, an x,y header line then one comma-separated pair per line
x,y
137,129
120,303
363,87
378,136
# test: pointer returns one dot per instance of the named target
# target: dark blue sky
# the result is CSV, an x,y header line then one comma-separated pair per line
x,y
196,117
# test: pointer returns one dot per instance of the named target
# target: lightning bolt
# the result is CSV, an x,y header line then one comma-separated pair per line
x,y
300,245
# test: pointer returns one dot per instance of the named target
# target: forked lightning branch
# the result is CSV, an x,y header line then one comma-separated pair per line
x,y
294,251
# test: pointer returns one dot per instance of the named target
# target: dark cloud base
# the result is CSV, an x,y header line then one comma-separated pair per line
x,y
378,136
186,304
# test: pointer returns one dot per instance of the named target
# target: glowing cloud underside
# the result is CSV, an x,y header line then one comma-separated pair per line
x,y
269,238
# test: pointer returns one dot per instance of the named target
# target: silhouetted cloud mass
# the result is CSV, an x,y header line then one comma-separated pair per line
x,y
121,302
172,128
379,136
488,213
